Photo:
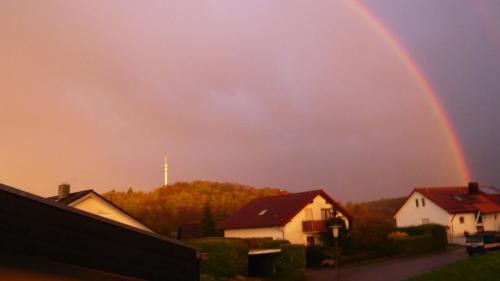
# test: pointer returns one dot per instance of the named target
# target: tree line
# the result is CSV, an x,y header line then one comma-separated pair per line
x,y
166,208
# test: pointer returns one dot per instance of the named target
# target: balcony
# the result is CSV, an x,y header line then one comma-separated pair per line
x,y
313,226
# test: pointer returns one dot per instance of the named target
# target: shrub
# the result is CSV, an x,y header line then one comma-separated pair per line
x,y
226,257
315,255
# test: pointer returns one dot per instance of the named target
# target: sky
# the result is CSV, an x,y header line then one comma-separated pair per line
x,y
291,94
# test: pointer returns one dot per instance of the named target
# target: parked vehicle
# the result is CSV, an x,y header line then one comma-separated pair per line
x,y
482,242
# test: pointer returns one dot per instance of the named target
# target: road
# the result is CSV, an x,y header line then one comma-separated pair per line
x,y
393,269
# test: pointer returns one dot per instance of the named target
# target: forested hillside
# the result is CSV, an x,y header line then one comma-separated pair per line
x,y
380,210
166,208
373,221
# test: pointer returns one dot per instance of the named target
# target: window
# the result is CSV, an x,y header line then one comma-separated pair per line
x,y
462,220
425,221
326,214
423,202
495,216
263,212
309,214
416,202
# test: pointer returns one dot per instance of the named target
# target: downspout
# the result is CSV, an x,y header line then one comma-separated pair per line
x,y
282,232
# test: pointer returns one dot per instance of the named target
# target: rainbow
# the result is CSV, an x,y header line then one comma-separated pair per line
x,y
392,41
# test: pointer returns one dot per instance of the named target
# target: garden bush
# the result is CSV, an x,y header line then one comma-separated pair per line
x,y
226,257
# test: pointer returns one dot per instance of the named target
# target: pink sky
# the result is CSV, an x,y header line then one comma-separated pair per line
x,y
284,93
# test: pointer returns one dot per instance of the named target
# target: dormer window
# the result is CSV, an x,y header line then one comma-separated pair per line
x,y
263,212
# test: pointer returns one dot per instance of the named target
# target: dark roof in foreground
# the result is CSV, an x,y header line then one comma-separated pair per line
x,y
41,228
459,199
275,211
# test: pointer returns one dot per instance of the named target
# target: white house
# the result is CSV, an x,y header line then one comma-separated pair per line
x,y
91,202
462,210
296,217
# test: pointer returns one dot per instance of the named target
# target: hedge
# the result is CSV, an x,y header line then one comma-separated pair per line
x,y
315,255
289,264
423,239
226,257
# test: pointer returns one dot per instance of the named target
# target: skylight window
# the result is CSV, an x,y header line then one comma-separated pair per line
x,y
458,198
489,190
263,212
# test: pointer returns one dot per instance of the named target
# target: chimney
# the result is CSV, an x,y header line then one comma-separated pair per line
x,y
63,191
473,188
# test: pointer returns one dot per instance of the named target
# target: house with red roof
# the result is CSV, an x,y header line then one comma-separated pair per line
x,y
296,217
461,209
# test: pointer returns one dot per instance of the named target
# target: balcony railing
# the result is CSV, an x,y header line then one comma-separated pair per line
x,y
313,226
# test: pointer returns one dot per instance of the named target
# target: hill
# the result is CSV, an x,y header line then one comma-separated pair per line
x,y
165,208
380,210
373,221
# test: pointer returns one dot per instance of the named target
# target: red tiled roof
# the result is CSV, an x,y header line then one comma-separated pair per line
x,y
275,211
459,200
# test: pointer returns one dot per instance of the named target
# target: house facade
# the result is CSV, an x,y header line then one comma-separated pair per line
x,y
297,217
91,202
462,210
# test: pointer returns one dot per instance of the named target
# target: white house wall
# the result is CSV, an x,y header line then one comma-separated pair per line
x,y
468,225
491,222
95,205
411,215
262,232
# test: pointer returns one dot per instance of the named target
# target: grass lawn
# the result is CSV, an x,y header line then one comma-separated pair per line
x,y
484,267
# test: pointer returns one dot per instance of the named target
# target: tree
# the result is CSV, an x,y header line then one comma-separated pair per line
x,y
208,221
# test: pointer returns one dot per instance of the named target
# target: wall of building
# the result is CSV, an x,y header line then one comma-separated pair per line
x,y
459,228
411,215
95,205
491,222
262,232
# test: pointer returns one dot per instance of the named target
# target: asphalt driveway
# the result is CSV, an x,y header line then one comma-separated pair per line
x,y
393,269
